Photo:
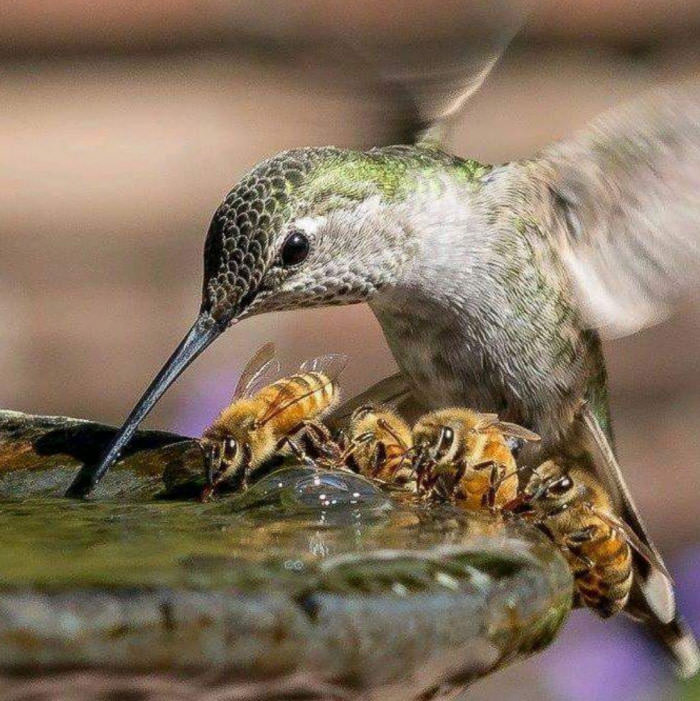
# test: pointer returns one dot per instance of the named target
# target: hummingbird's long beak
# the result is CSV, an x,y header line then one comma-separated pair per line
x,y
201,335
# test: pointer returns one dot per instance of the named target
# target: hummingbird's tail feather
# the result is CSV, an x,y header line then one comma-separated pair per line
x,y
652,601
681,642
674,636
656,588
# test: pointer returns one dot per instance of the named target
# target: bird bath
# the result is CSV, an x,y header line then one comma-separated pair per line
x,y
311,585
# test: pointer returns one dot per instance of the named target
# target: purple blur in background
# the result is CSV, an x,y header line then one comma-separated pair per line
x,y
122,125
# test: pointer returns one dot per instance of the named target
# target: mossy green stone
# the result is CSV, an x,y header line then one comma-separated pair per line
x,y
313,581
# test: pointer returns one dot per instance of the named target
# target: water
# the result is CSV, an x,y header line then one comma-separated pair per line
x,y
285,526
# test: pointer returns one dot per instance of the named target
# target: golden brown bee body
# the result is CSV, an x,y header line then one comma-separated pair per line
x,y
463,455
577,514
262,417
379,445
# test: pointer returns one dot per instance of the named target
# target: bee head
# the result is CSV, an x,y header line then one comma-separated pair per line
x,y
436,440
434,444
551,488
222,455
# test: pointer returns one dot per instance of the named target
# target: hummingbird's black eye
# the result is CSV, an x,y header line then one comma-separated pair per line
x,y
295,249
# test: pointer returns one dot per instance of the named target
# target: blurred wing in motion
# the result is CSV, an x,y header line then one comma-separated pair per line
x,y
626,200
259,371
436,75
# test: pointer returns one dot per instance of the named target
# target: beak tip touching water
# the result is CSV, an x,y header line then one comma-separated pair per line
x,y
203,332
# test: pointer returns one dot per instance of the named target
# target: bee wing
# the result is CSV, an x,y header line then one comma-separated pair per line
x,y
259,371
657,591
488,420
390,392
507,428
633,539
485,421
330,365
516,431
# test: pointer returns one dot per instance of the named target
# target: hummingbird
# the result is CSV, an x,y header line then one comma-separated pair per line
x,y
493,284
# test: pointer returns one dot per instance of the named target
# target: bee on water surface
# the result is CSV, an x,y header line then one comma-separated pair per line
x,y
267,416
379,445
463,456
574,510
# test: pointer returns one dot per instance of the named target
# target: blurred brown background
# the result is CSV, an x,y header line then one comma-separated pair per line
x,y
122,125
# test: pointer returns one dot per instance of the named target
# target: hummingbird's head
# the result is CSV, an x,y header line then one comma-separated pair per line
x,y
308,227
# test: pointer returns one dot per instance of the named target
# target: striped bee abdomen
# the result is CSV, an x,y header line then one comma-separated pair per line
x,y
297,398
605,585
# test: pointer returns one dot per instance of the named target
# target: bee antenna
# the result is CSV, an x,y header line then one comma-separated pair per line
x,y
408,451
385,425
508,475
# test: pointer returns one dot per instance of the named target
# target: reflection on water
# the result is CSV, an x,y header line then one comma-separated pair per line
x,y
287,522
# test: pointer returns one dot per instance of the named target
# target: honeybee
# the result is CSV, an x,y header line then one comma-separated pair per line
x,y
380,445
463,455
266,417
574,510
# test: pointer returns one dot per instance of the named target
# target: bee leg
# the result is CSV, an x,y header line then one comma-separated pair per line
x,y
585,561
494,484
342,440
458,478
572,544
423,466
345,458
342,452
206,494
378,458
521,505
319,442
318,430
419,469
351,446
212,474
574,540
297,452
396,470
489,499
583,536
